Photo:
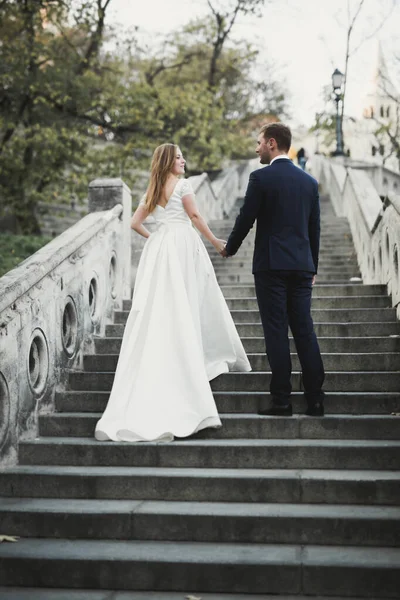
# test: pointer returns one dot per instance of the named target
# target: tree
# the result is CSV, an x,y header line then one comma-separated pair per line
x,y
355,9
225,15
73,108
47,74
352,19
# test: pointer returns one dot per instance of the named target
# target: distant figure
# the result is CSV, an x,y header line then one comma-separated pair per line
x,y
302,158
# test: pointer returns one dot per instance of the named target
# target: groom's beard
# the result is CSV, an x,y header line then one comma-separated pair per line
x,y
265,159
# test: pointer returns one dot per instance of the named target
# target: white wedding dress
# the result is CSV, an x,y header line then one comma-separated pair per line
x,y
179,335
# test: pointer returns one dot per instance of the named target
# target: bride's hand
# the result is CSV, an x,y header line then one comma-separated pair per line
x,y
219,245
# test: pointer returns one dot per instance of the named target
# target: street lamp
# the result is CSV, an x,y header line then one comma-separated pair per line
x,y
337,81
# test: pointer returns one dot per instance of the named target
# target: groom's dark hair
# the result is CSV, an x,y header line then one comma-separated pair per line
x,y
280,132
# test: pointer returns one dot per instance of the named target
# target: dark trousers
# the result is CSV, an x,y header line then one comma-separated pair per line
x,y
284,299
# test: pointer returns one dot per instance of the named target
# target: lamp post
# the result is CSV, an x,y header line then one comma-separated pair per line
x,y
337,81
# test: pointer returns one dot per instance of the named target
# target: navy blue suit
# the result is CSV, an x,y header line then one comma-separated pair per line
x,y
285,202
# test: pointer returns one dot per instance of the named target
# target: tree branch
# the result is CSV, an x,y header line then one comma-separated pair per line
x,y
92,119
94,45
346,68
373,34
151,75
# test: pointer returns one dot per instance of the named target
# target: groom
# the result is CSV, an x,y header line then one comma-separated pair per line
x,y
285,201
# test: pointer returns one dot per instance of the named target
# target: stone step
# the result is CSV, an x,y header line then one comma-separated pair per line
x,y
384,361
325,274
309,486
319,315
247,249
365,329
339,245
249,426
336,302
247,278
337,237
330,220
325,263
222,266
245,568
324,256
257,344
335,381
318,302
214,453
333,236
16,593
345,525
324,315
245,256
246,253
247,402
319,291
321,329
248,291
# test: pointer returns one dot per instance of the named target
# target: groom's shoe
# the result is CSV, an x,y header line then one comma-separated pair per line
x,y
316,410
277,411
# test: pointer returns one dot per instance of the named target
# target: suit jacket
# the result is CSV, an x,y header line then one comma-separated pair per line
x,y
285,201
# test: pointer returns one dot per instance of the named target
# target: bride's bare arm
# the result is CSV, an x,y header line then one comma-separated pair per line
x,y
189,204
138,217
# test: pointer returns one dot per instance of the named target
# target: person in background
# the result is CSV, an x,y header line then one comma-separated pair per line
x,y
302,158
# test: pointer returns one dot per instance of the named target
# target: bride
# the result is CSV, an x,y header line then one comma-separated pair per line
x,y
179,334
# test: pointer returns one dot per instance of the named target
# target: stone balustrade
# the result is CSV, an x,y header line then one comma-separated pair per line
x,y
55,302
375,224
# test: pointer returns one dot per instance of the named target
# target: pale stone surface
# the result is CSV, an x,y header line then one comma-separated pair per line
x,y
84,268
375,225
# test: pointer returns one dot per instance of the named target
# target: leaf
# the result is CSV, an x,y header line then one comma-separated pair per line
x,y
8,538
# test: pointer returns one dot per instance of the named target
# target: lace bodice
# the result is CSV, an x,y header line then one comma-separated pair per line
x,y
173,212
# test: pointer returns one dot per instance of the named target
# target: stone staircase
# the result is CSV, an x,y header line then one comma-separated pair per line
x,y
288,506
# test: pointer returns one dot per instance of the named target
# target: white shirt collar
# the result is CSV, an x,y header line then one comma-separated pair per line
x,y
279,156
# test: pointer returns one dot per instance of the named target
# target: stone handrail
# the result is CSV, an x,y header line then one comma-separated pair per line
x,y
54,303
226,187
207,199
375,225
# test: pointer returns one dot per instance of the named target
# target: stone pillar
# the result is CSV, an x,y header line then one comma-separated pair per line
x,y
104,194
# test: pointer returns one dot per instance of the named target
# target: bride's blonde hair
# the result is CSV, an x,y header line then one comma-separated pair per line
x,y
161,166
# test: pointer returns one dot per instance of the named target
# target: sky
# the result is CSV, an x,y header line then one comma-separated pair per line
x,y
305,40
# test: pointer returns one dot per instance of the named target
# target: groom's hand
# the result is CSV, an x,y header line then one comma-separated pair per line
x,y
224,253
313,280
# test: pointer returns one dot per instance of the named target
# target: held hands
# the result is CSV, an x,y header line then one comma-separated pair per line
x,y
219,245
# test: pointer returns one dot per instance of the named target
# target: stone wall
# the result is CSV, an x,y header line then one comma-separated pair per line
x,y
375,224
54,303
384,180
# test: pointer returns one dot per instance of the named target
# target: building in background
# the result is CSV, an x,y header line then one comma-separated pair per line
x,y
373,137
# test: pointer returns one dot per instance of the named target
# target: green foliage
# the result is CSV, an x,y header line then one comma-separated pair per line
x,y
325,126
74,106
16,248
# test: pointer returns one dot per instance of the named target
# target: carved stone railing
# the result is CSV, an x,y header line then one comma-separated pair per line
x,y
55,302
375,224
